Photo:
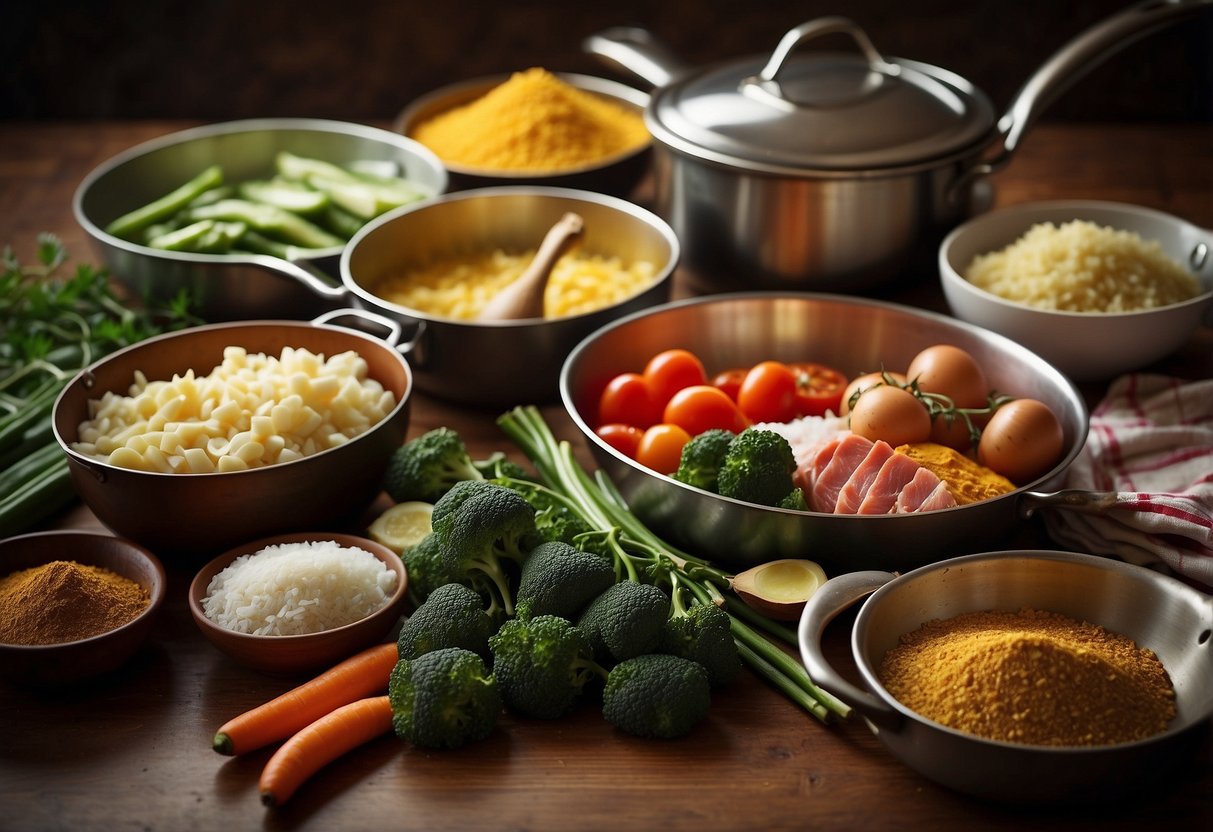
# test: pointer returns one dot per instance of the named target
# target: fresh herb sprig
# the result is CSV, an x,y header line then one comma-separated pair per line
x,y
53,323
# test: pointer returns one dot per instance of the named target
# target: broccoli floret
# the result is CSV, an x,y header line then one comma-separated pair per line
x,y
443,699
426,568
452,616
704,635
757,468
795,500
489,528
542,665
656,695
426,467
702,457
558,579
625,620
497,466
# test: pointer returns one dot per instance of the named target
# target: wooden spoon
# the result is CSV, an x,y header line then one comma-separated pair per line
x,y
524,297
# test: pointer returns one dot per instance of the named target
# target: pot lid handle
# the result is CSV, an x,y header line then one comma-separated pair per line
x,y
765,85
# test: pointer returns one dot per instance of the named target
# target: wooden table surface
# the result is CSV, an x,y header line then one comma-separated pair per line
x,y
131,751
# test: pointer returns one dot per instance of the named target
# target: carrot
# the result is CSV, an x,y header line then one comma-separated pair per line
x,y
361,675
320,743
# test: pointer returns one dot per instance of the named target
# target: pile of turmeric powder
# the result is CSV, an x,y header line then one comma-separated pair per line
x,y
533,122
1031,677
967,480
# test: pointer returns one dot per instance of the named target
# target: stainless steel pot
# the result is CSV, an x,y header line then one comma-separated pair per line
x,y
1157,612
834,171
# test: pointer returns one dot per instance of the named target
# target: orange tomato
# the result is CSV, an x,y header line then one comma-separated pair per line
x,y
660,448
768,393
670,371
702,407
729,381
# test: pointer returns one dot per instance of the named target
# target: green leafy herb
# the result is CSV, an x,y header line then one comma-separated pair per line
x,y
54,323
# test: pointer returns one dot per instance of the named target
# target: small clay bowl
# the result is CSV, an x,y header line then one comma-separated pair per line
x,y
292,654
73,661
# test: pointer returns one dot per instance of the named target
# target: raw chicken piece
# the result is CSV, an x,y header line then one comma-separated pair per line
x,y
810,465
848,455
920,492
941,497
856,487
897,471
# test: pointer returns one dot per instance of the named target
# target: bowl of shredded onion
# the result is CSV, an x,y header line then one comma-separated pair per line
x,y
299,601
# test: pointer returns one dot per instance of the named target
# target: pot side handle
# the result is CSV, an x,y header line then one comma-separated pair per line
x,y
395,330
635,50
306,276
834,596
1070,63
1074,499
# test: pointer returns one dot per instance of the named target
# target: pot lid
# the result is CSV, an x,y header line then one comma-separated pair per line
x,y
826,111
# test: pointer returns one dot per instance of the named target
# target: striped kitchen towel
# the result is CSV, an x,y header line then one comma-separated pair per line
x,y
1151,444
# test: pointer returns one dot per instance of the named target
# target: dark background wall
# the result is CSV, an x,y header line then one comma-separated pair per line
x,y
365,59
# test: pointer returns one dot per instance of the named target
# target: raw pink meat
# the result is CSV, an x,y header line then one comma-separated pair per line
x,y
809,467
918,491
848,455
853,491
897,471
941,497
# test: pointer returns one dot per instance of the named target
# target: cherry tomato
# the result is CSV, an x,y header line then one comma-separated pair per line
x,y
1023,440
768,393
628,400
699,408
818,388
861,383
621,437
670,371
729,381
952,372
660,448
892,414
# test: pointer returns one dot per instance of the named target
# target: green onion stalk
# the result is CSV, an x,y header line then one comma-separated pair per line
x,y
640,554
51,327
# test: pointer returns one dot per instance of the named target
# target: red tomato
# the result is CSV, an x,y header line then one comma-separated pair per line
x,y
768,393
623,438
818,388
628,400
670,371
699,408
729,382
660,448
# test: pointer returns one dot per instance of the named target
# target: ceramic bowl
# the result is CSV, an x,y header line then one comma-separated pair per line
x,y
298,653
58,664
1085,346
227,287
616,175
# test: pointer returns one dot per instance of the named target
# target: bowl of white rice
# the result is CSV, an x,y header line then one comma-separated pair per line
x,y
1095,288
299,601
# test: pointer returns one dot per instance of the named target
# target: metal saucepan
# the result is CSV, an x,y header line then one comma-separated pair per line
x,y
1159,613
854,335
186,514
227,287
501,363
834,171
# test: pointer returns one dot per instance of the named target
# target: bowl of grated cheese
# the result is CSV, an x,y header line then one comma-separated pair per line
x,y
1095,288
300,601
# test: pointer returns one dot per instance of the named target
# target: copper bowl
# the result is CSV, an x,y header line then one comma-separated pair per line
x,y
73,661
190,514
297,653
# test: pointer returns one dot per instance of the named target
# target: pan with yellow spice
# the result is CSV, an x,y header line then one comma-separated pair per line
x,y
1050,676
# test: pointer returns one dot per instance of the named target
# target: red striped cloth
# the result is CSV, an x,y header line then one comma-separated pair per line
x,y
1151,443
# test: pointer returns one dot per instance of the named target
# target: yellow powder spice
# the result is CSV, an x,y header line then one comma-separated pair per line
x,y
1031,677
532,122
967,480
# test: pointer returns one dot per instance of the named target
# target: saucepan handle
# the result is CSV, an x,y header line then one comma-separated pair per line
x,y
303,273
834,596
636,51
395,329
1073,499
